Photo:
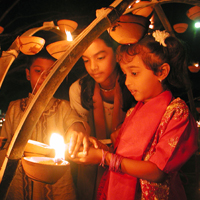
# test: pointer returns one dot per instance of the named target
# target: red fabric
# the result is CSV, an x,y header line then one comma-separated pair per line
x,y
99,118
153,130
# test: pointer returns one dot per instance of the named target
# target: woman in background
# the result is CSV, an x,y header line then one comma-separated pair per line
x,y
99,97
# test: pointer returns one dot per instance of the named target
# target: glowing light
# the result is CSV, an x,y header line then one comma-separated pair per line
x,y
57,142
197,25
198,123
194,68
130,6
69,36
151,26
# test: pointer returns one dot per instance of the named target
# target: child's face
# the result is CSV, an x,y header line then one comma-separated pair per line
x,y
38,72
141,82
100,61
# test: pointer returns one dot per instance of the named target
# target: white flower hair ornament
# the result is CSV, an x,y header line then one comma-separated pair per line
x,y
160,36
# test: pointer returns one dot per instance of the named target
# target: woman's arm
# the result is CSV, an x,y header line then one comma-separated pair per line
x,y
76,137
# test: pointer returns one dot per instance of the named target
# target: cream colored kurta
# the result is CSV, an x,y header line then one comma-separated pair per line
x,y
75,103
89,175
57,117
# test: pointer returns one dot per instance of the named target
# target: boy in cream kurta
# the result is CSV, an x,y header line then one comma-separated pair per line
x,y
58,117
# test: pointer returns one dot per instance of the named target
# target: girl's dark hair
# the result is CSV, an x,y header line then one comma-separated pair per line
x,y
155,54
42,54
88,83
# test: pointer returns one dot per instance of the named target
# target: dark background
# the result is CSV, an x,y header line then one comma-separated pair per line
x,y
18,16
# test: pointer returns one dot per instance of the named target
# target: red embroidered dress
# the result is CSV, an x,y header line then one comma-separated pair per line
x,y
162,131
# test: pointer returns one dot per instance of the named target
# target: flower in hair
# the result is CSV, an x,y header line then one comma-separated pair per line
x,y
160,36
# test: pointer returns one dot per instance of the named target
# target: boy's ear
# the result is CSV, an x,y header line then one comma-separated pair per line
x,y
27,74
164,70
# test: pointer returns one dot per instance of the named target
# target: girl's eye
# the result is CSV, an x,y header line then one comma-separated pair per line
x,y
134,73
101,57
85,61
37,70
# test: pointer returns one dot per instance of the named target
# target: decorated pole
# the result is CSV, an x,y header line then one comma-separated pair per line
x,y
8,57
51,84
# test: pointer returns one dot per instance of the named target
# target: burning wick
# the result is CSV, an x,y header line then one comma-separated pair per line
x,y
57,142
69,36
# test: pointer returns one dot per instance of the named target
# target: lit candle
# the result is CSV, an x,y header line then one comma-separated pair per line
x,y
69,36
57,142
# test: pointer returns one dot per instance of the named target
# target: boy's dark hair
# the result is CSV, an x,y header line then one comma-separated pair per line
x,y
42,54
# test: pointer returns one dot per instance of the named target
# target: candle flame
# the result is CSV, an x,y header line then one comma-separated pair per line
x,y
69,36
57,142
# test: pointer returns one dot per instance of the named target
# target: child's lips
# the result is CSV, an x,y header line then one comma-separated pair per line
x,y
96,75
133,92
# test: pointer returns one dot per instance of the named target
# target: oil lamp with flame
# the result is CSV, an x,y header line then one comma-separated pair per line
x,y
194,68
57,143
47,169
57,49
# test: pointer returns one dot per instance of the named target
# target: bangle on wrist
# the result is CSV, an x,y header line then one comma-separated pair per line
x,y
115,163
102,163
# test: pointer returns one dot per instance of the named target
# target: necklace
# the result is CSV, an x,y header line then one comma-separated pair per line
x,y
106,90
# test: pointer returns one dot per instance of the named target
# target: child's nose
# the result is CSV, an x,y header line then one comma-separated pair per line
x,y
127,81
93,66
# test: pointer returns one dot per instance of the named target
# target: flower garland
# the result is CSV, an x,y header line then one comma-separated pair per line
x,y
160,36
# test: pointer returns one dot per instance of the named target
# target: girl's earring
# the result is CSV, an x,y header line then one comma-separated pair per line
x,y
160,81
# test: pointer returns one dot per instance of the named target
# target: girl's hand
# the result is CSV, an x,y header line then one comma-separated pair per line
x,y
93,157
97,144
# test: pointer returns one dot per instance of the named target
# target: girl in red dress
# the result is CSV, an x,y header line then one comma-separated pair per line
x,y
159,134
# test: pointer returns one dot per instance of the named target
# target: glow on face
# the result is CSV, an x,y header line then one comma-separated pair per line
x,y
99,60
141,81
38,72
